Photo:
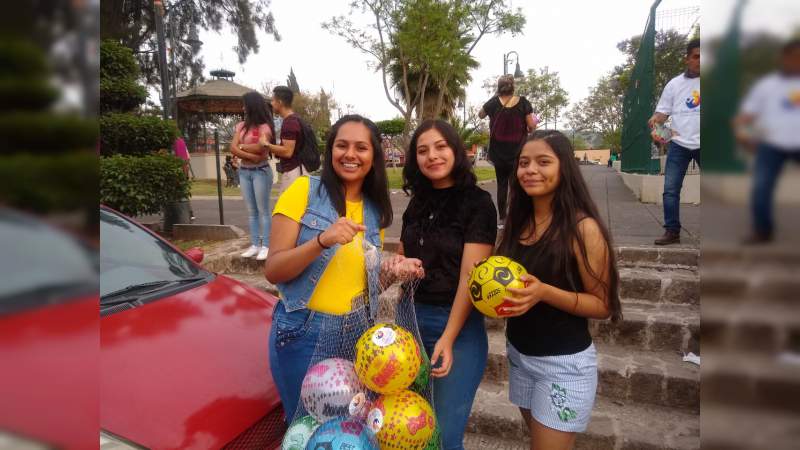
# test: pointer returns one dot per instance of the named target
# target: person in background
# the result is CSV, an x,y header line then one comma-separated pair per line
x,y
511,118
681,101
291,137
769,124
250,140
182,152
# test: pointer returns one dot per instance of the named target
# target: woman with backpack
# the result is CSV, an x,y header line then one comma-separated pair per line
x,y
250,140
510,120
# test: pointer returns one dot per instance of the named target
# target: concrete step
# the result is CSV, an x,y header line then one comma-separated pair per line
x,y
624,374
766,283
726,428
658,257
473,441
752,325
752,380
749,256
653,327
660,285
613,425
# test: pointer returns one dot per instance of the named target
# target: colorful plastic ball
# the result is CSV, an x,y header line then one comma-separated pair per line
x,y
489,281
434,443
299,433
420,384
387,358
403,420
328,389
342,434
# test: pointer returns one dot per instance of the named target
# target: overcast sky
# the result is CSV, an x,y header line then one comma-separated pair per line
x,y
576,38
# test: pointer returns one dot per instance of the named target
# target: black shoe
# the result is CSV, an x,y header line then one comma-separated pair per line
x,y
669,237
757,239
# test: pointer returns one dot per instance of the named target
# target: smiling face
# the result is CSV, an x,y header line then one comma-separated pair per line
x,y
352,152
539,170
435,158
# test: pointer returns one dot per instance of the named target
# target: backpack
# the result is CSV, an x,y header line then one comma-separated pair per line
x,y
308,154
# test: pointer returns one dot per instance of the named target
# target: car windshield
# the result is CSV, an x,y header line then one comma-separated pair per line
x,y
130,256
40,262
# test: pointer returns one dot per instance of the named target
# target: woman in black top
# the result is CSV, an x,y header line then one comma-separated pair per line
x,y
510,120
450,224
554,230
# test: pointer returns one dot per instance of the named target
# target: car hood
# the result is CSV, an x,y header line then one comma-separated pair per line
x,y
190,370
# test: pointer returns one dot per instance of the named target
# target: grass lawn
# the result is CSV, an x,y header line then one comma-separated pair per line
x,y
395,175
209,187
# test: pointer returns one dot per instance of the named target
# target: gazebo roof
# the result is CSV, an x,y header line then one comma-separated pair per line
x,y
217,96
215,89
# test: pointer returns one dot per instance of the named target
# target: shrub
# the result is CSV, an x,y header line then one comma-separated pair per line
x,y
139,185
120,95
49,183
45,132
26,94
129,134
117,61
22,59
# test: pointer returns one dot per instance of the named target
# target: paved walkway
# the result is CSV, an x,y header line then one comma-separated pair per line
x,y
631,223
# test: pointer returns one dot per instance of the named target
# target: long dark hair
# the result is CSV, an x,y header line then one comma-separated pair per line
x,y
414,182
376,185
257,112
571,204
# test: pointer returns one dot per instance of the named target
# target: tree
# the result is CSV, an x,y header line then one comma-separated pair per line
x,y
544,91
291,82
131,22
426,41
391,127
601,112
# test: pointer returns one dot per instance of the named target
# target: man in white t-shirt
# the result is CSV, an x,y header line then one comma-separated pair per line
x,y
769,123
681,101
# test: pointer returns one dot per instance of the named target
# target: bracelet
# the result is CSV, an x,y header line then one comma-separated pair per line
x,y
319,241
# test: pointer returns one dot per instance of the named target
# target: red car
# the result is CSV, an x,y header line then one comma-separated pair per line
x,y
183,351
48,337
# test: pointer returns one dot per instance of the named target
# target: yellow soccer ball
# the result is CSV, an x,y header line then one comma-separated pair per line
x,y
387,358
403,420
489,281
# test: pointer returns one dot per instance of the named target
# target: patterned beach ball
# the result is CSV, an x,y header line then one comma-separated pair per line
x,y
299,433
342,434
387,358
403,420
329,388
489,281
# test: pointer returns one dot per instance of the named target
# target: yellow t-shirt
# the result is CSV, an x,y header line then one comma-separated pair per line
x,y
345,276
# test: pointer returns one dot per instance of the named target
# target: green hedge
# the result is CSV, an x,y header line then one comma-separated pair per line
x,y
117,61
53,183
120,95
128,134
46,132
26,94
22,59
139,185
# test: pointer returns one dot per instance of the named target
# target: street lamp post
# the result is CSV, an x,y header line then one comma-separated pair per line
x,y
517,72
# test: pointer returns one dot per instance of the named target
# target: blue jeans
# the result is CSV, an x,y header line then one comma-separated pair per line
x,y
453,394
293,344
769,163
678,159
256,185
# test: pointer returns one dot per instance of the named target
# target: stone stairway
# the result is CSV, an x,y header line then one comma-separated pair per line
x,y
751,345
647,396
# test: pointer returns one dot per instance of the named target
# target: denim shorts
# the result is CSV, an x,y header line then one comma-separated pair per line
x,y
558,390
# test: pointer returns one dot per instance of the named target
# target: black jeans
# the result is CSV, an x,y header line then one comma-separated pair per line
x,y
503,172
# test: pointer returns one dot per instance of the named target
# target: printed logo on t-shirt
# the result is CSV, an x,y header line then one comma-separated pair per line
x,y
792,100
693,101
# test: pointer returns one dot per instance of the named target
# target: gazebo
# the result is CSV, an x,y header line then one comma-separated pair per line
x,y
220,96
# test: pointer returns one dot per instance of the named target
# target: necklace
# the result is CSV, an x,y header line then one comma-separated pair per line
x,y
432,218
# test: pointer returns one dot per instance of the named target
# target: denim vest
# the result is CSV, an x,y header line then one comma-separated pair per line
x,y
321,214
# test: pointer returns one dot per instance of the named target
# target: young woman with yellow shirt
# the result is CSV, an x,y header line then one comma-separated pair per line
x,y
327,234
